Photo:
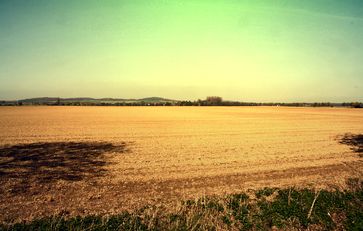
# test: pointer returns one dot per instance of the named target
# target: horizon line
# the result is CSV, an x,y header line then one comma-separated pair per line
x,y
178,100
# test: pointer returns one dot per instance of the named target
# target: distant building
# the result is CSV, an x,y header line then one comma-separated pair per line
x,y
214,100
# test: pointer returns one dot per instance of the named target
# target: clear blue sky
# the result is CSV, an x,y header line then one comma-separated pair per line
x,y
281,50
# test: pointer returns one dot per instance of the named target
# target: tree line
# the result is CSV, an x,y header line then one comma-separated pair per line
x,y
209,101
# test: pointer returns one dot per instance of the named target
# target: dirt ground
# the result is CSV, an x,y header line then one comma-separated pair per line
x,y
102,160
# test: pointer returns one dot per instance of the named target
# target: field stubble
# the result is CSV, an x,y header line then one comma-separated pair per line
x,y
102,160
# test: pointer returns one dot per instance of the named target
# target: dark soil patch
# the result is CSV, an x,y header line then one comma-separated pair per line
x,y
43,163
355,141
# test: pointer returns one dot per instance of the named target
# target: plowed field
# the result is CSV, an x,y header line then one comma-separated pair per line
x,y
102,160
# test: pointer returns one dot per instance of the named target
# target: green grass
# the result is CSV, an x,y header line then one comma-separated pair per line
x,y
283,208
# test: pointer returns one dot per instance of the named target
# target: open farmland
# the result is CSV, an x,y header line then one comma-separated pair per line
x,y
82,160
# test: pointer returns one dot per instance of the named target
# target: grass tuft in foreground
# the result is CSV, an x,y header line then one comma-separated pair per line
x,y
289,209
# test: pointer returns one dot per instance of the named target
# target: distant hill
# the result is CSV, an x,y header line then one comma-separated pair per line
x,y
39,100
156,99
54,100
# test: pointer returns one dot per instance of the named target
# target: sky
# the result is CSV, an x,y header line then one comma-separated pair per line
x,y
262,51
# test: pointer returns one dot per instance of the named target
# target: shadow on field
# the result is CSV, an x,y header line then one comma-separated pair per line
x,y
355,141
48,162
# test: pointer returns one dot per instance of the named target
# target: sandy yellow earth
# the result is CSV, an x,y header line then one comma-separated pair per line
x,y
102,160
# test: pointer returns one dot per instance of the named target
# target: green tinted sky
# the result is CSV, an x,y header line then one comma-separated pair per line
x,y
271,50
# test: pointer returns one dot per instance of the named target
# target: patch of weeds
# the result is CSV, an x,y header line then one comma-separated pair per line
x,y
288,209
288,205
227,220
265,192
234,201
188,203
215,205
124,221
354,184
238,205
